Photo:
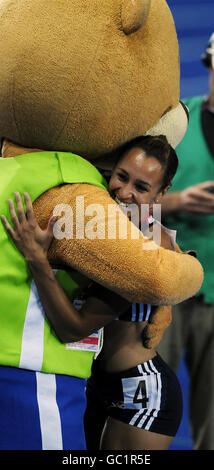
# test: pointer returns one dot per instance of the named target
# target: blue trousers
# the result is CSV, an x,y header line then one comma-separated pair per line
x,y
41,411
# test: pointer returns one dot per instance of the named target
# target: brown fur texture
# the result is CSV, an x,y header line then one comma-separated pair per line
x,y
153,275
86,76
74,77
156,326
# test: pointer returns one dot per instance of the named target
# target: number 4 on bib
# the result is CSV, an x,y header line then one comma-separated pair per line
x,y
140,394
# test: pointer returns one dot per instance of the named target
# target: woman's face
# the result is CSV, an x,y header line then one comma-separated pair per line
x,y
137,179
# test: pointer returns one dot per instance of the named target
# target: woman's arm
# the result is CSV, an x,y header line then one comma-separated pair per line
x,y
69,324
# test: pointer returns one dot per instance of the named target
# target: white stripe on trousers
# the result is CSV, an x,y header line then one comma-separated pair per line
x,y
32,358
49,415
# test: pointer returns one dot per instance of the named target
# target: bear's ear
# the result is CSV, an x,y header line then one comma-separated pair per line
x,y
134,14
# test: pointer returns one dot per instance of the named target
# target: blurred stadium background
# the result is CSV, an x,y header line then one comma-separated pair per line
x,y
194,21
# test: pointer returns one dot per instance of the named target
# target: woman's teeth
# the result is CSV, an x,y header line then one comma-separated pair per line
x,y
120,202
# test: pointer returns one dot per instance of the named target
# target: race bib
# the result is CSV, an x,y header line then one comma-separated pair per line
x,y
92,343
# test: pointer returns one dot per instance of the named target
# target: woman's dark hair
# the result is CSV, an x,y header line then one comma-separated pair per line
x,y
158,147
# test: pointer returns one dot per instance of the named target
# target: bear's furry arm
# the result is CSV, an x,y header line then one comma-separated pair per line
x,y
158,322
156,276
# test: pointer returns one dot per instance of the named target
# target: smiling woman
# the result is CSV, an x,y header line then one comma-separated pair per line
x,y
144,171
134,399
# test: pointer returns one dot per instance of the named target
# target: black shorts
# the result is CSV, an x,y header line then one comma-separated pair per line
x,y
147,396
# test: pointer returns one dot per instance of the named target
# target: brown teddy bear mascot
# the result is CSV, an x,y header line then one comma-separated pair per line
x,y
77,80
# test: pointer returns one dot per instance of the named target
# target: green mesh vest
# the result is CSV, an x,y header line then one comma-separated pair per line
x,y
26,339
196,165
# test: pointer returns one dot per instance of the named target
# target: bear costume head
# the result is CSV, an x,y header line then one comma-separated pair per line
x,y
86,76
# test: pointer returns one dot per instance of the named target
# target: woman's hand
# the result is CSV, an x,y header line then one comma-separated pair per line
x,y
29,238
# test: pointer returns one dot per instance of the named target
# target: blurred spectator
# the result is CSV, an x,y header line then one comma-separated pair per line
x,y
189,208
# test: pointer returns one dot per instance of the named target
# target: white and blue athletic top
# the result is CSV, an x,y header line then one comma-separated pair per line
x,y
137,313
132,312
